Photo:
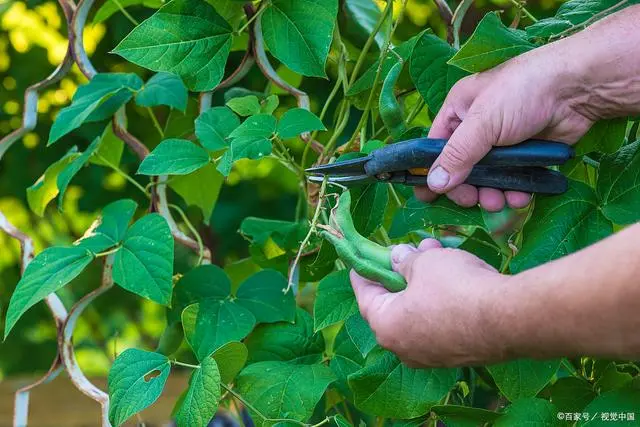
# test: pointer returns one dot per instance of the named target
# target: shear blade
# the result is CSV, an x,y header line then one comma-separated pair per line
x,y
353,167
343,179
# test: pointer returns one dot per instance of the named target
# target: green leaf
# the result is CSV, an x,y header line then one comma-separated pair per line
x,y
365,81
202,283
335,300
299,33
174,157
346,360
387,388
253,148
190,187
296,121
45,189
605,136
618,184
361,334
214,126
417,215
531,412
524,377
464,416
490,44
430,72
110,227
272,242
110,149
483,246
196,48
571,394
49,271
256,126
286,342
625,401
70,171
211,323
245,105
612,379
293,391
136,380
363,15
231,10
144,263
163,89
368,206
262,294
269,105
203,395
89,97
561,225
110,7
230,358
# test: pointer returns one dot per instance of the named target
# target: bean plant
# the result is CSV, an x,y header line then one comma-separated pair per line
x,y
285,341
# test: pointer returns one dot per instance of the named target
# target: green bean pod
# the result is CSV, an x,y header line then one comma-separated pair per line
x,y
367,268
390,110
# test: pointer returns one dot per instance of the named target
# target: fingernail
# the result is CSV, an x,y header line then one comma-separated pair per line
x,y
400,252
438,178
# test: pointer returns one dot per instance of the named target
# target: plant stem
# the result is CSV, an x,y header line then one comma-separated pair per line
x,y
524,10
126,14
312,229
186,365
192,229
108,252
262,8
155,121
569,367
416,110
123,174
395,195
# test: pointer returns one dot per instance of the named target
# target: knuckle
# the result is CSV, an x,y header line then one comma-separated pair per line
x,y
456,154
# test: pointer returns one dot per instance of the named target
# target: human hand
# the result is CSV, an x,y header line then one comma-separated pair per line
x,y
529,96
441,318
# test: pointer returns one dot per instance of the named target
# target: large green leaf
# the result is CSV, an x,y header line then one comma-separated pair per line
x,y
174,157
368,204
190,187
283,390
417,215
299,33
296,121
524,377
144,263
464,416
163,89
360,333
262,294
211,323
49,271
88,98
365,81
387,388
561,225
200,403
256,126
531,412
363,15
483,246
286,342
214,126
196,48
605,136
45,189
253,148
136,380
110,227
70,171
430,72
571,394
335,300
346,360
230,358
203,282
490,44
625,401
619,184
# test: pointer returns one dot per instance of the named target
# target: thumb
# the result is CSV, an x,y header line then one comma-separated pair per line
x,y
404,256
468,144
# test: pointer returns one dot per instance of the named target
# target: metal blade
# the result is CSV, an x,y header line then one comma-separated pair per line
x,y
347,167
343,180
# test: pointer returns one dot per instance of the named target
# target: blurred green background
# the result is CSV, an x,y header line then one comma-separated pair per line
x,y
32,42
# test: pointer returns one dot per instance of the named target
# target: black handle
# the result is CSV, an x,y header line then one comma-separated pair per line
x,y
422,152
528,179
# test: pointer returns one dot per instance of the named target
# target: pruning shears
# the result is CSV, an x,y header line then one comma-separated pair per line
x,y
518,167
